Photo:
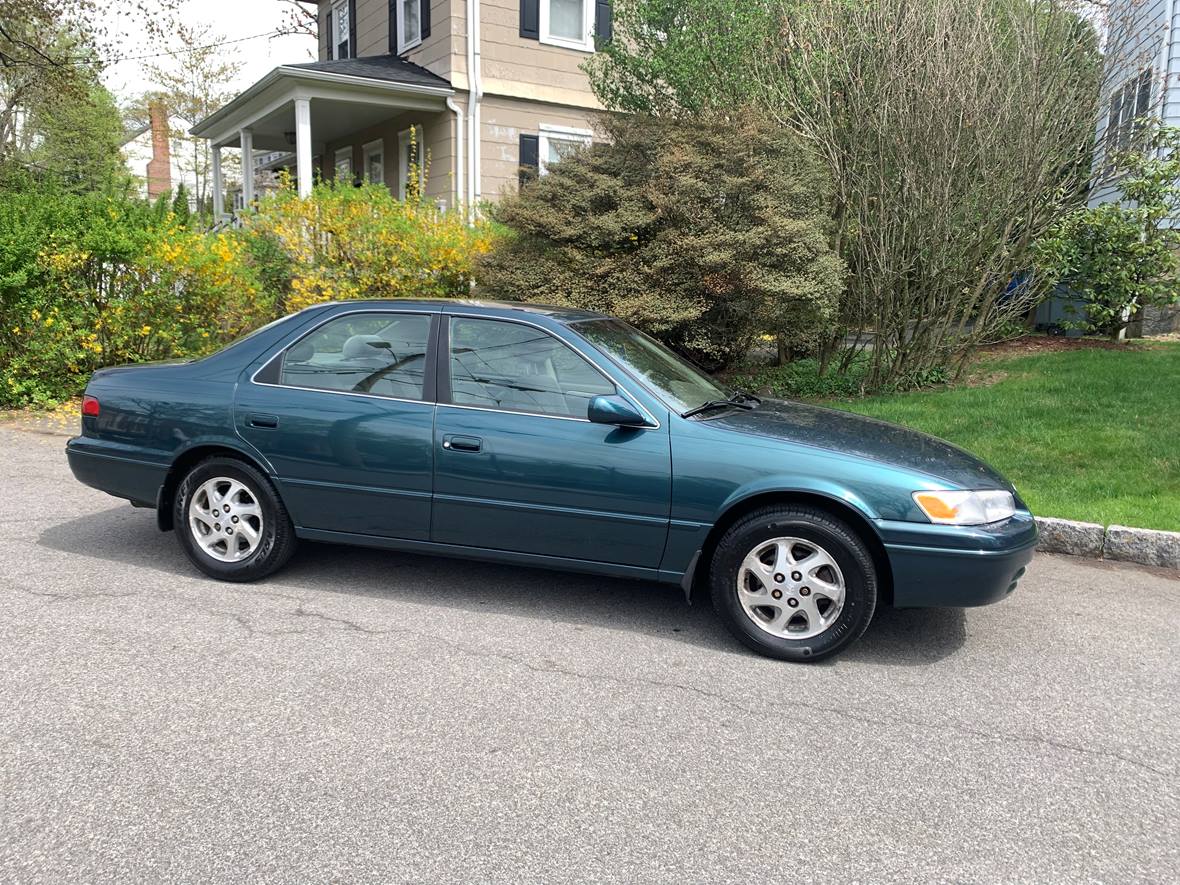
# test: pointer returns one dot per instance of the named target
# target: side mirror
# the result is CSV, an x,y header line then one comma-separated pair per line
x,y
614,410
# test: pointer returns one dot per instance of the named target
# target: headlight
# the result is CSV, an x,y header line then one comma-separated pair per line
x,y
966,508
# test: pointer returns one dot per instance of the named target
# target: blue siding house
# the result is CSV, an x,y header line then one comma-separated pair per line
x,y
1142,80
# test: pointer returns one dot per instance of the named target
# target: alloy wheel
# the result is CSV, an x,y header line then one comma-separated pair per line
x,y
791,587
225,519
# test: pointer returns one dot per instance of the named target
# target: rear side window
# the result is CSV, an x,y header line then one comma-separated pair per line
x,y
519,368
382,354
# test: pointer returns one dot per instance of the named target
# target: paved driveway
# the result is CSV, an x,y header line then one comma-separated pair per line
x,y
372,716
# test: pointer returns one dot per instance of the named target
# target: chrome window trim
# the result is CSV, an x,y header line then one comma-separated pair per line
x,y
397,399
619,388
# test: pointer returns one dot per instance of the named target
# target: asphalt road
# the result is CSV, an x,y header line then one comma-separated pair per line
x,y
381,717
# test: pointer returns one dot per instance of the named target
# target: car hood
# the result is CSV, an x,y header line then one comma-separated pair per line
x,y
861,437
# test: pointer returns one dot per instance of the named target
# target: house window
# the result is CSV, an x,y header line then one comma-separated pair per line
x,y
409,24
341,27
557,143
568,23
375,162
1130,105
344,165
409,162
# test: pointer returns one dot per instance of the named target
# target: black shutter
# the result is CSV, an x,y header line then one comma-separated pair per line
x,y
530,19
529,151
424,17
602,21
352,28
393,27
331,37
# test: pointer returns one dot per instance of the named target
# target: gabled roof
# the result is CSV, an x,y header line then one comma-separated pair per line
x,y
376,67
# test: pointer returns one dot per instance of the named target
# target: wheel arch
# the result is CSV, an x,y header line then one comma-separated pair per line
x,y
188,459
850,514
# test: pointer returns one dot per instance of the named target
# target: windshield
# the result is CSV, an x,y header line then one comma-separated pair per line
x,y
681,384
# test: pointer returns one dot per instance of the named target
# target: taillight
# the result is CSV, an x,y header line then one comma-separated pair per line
x,y
90,406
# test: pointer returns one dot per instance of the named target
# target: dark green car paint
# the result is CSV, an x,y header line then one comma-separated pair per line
x,y
638,501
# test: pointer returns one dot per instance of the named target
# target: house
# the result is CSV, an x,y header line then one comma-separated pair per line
x,y
1141,82
482,89
149,157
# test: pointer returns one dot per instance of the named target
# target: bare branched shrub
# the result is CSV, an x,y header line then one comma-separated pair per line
x,y
956,132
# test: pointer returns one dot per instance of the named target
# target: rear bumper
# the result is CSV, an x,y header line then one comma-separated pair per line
x,y
958,566
137,481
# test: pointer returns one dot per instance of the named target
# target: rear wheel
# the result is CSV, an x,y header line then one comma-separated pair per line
x,y
794,583
230,521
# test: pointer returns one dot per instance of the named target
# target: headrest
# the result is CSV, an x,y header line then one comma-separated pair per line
x,y
360,347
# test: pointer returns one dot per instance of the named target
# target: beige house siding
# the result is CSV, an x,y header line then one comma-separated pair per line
x,y
504,120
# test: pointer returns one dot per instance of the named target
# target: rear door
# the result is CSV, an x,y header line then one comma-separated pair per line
x,y
518,467
345,415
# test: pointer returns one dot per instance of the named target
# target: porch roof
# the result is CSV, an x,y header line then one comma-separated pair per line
x,y
345,94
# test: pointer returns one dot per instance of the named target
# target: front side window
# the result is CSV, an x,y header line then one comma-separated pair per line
x,y
344,165
1130,105
410,26
558,142
568,23
381,354
682,385
518,368
341,29
375,162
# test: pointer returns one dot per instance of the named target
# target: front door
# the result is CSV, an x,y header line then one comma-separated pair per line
x,y
343,417
518,467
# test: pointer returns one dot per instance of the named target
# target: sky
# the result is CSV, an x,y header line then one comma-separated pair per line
x,y
231,20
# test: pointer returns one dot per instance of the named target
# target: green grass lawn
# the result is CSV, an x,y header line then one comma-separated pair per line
x,y
1090,434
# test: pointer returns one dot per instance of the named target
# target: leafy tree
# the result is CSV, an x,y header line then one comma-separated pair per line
x,y
50,51
78,141
704,235
953,132
1124,256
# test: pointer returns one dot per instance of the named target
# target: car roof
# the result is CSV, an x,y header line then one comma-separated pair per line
x,y
456,305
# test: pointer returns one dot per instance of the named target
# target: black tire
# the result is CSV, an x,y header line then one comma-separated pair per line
x,y
837,538
276,543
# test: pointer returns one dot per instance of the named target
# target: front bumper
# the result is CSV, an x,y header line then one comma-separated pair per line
x,y
939,565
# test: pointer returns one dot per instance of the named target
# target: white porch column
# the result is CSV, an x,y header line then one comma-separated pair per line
x,y
217,185
303,145
246,139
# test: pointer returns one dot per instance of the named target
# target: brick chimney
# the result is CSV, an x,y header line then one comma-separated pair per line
x,y
159,168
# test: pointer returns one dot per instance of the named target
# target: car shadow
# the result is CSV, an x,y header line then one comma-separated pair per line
x,y
898,637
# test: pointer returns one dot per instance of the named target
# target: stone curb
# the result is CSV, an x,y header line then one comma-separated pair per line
x,y
1118,542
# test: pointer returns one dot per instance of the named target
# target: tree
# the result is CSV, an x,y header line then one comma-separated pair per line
x,y
193,83
51,50
1121,257
78,140
952,131
704,235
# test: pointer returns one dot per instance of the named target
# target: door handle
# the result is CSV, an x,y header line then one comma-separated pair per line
x,y
266,422
462,443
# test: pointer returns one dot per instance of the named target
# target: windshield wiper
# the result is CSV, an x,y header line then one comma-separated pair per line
x,y
739,400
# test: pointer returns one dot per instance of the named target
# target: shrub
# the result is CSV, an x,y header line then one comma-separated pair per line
x,y
703,235
361,242
123,291
1121,257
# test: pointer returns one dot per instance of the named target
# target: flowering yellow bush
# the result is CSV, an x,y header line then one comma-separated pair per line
x,y
361,242
94,281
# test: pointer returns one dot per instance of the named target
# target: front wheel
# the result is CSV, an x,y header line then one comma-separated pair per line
x,y
794,583
230,521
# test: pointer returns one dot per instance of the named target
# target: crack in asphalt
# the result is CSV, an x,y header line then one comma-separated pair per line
x,y
852,715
